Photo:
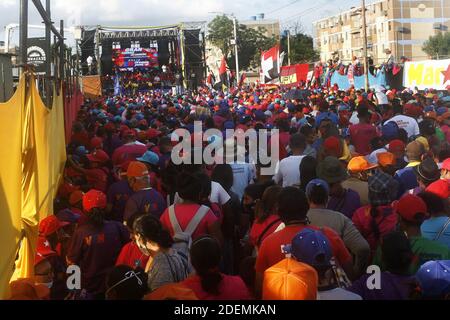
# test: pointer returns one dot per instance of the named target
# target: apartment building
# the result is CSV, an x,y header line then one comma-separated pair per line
x,y
399,25
269,27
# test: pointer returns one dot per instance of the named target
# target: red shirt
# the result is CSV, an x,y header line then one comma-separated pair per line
x,y
270,252
184,214
361,135
230,288
128,152
386,221
131,256
258,228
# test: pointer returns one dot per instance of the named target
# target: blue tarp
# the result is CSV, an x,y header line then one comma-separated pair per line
x,y
344,84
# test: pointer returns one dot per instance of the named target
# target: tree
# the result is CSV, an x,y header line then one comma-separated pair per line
x,y
438,45
302,48
250,42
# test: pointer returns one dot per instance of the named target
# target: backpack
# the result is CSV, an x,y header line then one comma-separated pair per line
x,y
183,239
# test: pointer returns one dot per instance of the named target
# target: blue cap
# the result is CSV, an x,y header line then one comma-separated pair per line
x,y
291,107
81,150
68,215
317,183
434,278
259,115
440,111
139,116
312,247
327,116
271,107
390,130
149,157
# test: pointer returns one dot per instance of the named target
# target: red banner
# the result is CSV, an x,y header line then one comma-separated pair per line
x,y
293,75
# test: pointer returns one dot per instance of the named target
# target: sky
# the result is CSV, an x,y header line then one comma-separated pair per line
x,y
164,12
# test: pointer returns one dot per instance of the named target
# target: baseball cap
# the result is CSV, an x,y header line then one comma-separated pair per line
x,y
317,183
441,188
390,130
360,164
290,280
386,159
81,150
136,170
50,225
434,278
424,142
331,170
411,208
333,145
96,142
312,247
68,215
396,146
75,197
94,199
149,157
99,156
26,289
43,250
446,164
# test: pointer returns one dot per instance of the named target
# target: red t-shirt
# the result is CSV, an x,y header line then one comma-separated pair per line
x,y
128,152
131,256
230,288
361,135
258,228
270,252
386,221
184,214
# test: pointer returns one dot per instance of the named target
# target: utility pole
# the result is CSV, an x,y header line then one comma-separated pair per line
x,y
23,33
289,46
366,65
48,67
236,49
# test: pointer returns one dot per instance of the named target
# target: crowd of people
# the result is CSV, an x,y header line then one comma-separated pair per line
x,y
362,180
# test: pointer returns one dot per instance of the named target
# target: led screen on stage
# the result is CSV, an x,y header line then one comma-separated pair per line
x,y
135,58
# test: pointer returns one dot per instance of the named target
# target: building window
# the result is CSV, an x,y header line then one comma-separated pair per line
x,y
390,26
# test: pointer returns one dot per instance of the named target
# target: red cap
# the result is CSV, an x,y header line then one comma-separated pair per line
x,y
333,145
99,156
411,208
96,143
44,250
153,133
129,133
446,164
50,225
441,188
75,197
94,199
110,127
397,146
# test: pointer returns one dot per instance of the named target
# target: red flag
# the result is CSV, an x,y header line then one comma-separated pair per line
x,y
270,64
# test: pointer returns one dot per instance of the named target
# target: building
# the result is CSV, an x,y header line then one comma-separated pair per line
x,y
270,28
399,25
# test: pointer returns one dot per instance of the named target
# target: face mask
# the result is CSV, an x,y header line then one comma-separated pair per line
x,y
143,249
47,284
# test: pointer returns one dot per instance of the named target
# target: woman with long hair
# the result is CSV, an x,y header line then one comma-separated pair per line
x,y
209,283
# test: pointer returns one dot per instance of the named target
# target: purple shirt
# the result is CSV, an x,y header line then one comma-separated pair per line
x,y
347,204
95,252
118,195
393,287
145,201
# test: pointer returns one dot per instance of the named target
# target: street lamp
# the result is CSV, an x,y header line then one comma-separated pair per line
x,y
234,41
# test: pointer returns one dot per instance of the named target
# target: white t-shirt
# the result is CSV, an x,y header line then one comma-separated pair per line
x,y
218,195
381,98
354,118
337,294
288,171
243,175
409,124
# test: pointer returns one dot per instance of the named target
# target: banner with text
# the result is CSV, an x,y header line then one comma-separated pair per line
x,y
427,74
293,75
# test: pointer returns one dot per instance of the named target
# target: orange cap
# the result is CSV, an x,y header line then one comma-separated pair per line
x,y
290,280
386,159
137,170
174,291
360,164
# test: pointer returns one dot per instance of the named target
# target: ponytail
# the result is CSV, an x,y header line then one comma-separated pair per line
x,y
373,222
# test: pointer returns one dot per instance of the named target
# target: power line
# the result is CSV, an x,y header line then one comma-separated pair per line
x,y
303,13
282,7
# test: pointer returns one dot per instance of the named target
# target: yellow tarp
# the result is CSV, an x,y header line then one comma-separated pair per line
x,y
30,172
